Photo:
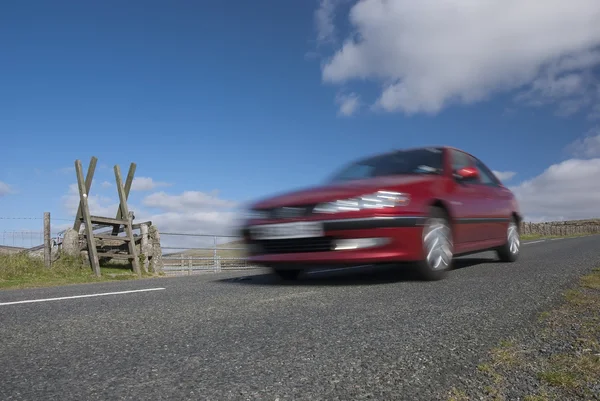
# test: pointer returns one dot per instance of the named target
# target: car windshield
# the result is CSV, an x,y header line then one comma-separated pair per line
x,y
414,161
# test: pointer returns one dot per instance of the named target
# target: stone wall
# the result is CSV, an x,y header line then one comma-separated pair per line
x,y
562,228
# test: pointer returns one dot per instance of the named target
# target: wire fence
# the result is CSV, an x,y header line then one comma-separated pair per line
x,y
15,239
186,253
36,218
19,240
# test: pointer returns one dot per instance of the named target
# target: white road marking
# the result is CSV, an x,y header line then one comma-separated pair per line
x,y
79,296
534,242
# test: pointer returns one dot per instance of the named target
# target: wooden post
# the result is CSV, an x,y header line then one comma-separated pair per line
x,y
135,263
47,243
88,186
128,182
87,219
215,253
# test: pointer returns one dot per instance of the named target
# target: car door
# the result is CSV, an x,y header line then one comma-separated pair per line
x,y
497,202
467,201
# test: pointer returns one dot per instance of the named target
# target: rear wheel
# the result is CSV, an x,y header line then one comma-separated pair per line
x,y
288,274
509,252
437,246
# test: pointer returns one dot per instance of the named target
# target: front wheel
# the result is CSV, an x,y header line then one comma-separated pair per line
x,y
437,246
509,252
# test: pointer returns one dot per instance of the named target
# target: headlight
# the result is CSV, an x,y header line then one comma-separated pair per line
x,y
378,200
256,214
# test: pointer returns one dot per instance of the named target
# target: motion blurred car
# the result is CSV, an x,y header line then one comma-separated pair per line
x,y
422,205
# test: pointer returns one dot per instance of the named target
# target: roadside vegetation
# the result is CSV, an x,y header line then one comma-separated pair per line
x,y
530,237
20,270
560,361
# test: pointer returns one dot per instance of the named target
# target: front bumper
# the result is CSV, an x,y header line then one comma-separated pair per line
x,y
345,242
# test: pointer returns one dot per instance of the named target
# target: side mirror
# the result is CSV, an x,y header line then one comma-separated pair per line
x,y
468,173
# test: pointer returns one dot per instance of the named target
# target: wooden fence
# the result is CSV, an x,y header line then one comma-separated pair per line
x,y
561,228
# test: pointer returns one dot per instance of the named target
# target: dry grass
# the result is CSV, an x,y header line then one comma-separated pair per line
x,y
531,237
23,271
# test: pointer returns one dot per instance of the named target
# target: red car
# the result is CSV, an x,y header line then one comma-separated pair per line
x,y
424,205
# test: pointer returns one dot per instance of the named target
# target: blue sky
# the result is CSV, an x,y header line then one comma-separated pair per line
x,y
233,101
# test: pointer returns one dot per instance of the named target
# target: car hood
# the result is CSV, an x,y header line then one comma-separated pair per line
x,y
348,189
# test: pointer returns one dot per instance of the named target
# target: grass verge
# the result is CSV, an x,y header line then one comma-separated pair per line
x,y
529,237
24,271
561,361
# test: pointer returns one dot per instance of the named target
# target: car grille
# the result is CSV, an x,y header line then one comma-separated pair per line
x,y
296,245
290,212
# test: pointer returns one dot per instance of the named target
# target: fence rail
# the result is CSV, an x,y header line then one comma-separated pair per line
x,y
188,253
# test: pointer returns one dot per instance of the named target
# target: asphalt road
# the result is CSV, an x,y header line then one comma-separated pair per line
x,y
247,336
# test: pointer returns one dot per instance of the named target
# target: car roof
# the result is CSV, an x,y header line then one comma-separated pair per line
x,y
444,147
391,152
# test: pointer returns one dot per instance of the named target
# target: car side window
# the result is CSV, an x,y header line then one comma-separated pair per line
x,y
459,160
486,176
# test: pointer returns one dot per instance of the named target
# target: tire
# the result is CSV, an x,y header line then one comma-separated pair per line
x,y
510,251
288,274
437,245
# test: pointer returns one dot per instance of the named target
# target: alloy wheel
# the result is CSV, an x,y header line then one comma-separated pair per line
x,y
437,242
514,241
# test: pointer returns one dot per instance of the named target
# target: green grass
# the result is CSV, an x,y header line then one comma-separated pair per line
x,y
23,271
458,395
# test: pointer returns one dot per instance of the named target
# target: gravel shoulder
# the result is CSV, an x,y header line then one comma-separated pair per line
x,y
557,359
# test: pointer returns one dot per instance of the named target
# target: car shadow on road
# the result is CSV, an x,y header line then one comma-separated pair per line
x,y
371,275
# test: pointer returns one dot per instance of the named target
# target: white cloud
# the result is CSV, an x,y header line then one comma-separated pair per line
x,y
324,21
348,103
99,205
586,147
551,87
188,201
504,175
581,60
191,212
429,54
565,191
139,184
571,92
595,112
213,222
5,189
146,184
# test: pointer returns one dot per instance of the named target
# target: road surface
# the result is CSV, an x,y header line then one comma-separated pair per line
x,y
247,336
